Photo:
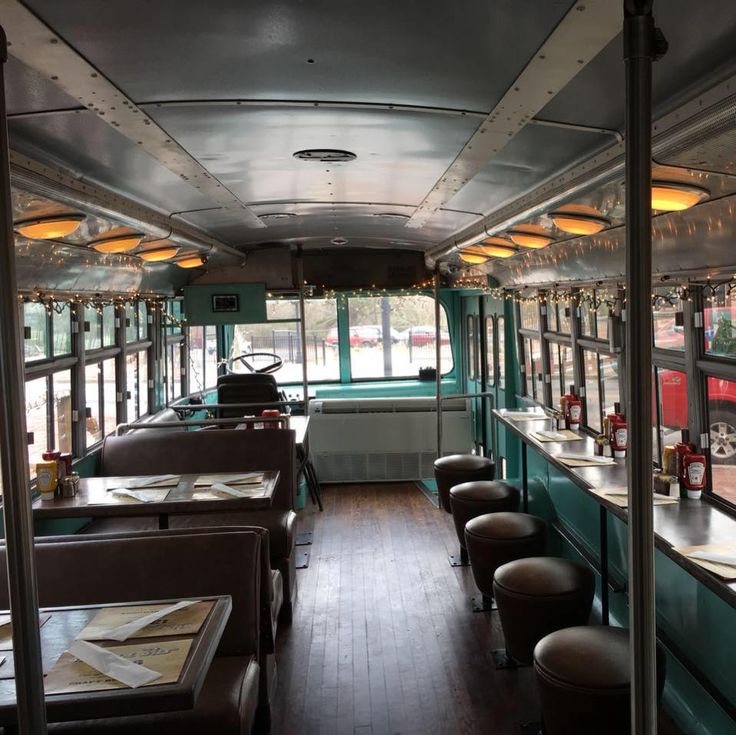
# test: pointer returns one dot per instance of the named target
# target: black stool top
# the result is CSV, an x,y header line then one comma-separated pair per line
x,y
590,657
463,463
484,490
506,526
544,576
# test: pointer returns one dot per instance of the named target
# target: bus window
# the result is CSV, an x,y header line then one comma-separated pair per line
x,y
412,340
667,334
719,319
36,332
722,423
490,351
561,371
472,344
500,324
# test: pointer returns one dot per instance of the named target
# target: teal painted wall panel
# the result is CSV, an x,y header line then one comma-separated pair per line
x,y
251,303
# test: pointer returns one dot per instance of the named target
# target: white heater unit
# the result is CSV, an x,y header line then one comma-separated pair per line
x,y
374,439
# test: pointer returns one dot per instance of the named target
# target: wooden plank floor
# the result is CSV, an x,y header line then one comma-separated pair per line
x,y
383,640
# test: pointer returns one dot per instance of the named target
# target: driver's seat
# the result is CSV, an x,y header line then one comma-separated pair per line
x,y
257,388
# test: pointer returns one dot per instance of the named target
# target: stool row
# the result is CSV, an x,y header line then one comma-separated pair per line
x,y
544,603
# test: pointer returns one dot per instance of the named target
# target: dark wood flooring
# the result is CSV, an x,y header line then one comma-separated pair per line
x,y
383,640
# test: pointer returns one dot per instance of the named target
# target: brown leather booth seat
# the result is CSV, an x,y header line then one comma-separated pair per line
x,y
456,468
495,539
539,595
469,500
584,681
159,566
156,453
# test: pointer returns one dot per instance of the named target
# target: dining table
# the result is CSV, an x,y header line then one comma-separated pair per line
x,y
161,495
79,699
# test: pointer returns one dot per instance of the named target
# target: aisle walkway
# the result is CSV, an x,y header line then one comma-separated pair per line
x,y
383,640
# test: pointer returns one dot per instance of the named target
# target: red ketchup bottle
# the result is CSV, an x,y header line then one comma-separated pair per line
x,y
682,449
574,413
619,436
271,413
693,478
566,400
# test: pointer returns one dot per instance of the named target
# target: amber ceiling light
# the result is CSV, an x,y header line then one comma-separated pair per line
x,y
530,236
49,228
579,219
117,244
473,255
193,261
498,247
671,196
158,254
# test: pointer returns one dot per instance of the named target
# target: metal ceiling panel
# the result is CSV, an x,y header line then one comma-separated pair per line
x,y
94,151
536,153
250,149
596,96
26,91
429,54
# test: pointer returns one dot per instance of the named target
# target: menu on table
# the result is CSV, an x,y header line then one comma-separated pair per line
x,y
166,658
136,483
186,621
619,496
720,559
6,630
557,435
124,496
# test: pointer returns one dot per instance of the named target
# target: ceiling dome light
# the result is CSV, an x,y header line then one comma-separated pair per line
x,y
193,261
530,236
498,247
671,196
157,255
579,219
473,255
117,244
49,228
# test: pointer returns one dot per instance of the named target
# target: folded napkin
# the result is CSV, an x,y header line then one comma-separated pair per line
x,y
106,662
141,497
126,630
154,480
219,488
712,556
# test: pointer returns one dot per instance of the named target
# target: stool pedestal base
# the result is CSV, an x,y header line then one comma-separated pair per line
x,y
482,603
502,660
459,560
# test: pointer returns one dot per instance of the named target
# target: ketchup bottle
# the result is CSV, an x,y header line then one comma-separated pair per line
x,y
271,413
693,474
619,436
574,412
682,449
566,400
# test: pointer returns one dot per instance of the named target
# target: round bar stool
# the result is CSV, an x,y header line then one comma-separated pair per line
x,y
471,499
583,680
457,468
495,539
537,596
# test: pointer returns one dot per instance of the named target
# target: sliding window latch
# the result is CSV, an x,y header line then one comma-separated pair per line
x,y
705,440
698,320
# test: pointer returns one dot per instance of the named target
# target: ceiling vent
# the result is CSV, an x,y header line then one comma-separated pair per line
x,y
325,155
276,216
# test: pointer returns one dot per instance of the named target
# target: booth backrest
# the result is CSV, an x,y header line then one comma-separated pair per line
x,y
153,566
228,450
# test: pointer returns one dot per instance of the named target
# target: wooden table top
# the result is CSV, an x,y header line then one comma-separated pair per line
x,y
687,523
95,500
60,630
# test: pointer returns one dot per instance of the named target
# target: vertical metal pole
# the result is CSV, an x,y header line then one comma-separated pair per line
x,y
303,330
603,539
437,359
16,497
639,51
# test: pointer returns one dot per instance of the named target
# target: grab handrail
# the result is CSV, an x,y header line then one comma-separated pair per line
x,y
121,428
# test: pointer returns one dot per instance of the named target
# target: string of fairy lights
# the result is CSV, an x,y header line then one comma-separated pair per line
x,y
608,296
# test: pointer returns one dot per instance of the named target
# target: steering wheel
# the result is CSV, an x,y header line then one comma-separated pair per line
x,y
246,360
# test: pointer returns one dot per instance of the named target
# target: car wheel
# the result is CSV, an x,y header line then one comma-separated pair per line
x,y
723,437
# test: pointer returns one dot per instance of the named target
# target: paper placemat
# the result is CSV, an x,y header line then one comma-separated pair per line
x,y
526,416
557,435
136,483
136,496
244,478
6,630
724,571
187,621
167,658
619,497
254,491
582,461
